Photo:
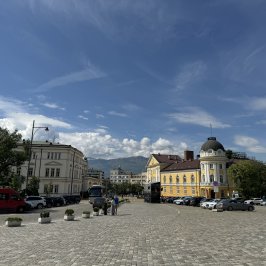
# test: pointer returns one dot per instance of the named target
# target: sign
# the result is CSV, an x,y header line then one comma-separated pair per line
x,y
215,183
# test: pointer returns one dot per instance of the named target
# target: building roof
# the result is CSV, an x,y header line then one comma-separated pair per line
x,y
165,158
185,165
212,144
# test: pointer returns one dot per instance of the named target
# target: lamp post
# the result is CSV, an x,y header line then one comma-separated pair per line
x,y
30,149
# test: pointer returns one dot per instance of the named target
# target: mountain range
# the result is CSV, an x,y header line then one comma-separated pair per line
x,y
136,164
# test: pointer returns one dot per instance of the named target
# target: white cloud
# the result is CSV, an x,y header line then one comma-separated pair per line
x,y
189,74
83,117
257,104
249,143
53,106
91,72
99,116
114,113
197,116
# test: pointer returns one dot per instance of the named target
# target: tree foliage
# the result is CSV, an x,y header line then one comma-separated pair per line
x,y
125,188
9,156
250,177
33,186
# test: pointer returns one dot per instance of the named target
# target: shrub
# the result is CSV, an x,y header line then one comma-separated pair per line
x,y
86,212
44,214
95,209
69,212
13,219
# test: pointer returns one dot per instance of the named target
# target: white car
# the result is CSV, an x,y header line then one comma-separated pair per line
x,y
255,201
203,203
179,201
263,203
36,202
212,204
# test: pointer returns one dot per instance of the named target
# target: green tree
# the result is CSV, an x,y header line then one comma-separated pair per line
x,y
249,177
229,154
9,156
33,186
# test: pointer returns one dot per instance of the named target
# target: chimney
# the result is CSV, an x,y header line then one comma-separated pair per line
x,y
188,155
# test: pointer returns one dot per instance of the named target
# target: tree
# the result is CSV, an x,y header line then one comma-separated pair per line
x,y
9,156
33,186
249,177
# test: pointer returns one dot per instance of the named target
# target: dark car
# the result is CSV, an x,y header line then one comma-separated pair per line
x,y
58,201
195,201
230,205
49,202
187,200
72,199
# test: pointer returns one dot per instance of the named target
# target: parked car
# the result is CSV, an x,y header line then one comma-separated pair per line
x,y
99,202
58,201
72,199
182,200
256,201
10,201
230,205
203,202
49,202
195,201
212,204
36,202
186,200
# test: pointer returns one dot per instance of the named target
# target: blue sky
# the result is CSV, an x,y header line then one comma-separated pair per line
x,y
118,78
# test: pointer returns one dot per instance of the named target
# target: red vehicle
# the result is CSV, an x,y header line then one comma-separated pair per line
x,y
11,201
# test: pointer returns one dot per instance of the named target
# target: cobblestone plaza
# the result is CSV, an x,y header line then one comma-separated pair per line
x,y
141,234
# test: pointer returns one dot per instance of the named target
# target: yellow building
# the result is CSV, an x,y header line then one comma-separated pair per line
x,y
181,179
156,163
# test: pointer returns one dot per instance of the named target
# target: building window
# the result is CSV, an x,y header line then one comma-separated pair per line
x,y
221,179
203,178
59,155
57,174
211,178
170,179
164,179
177,180
164,189
30,171
171,190
185,191
52,155
177,190
52,172
18,170
184,179
56,189
55,155
192,179
202,166
220,166
48,155
47,172
211,165
193,191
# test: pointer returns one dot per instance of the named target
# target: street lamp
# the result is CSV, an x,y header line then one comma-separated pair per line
x,y
32,134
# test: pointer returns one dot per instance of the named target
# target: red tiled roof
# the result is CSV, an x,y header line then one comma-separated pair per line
x,y
165,158
185,165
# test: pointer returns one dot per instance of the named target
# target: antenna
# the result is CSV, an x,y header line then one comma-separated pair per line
x,y
211,129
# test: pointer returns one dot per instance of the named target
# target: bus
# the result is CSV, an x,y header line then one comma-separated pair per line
x,y
96,191
152,192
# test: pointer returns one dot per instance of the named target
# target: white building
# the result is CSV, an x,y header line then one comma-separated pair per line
x,y
118,175
62,169
139,178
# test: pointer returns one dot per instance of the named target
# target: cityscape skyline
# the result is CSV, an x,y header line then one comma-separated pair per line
x,y
131,78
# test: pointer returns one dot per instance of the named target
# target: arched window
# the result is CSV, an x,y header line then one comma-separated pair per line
x,y
184,179
211,178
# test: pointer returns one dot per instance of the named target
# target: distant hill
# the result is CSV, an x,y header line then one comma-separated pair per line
x,y
135,164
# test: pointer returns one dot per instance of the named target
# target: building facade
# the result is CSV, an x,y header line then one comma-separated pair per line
x,y
118,175
139,179
62,169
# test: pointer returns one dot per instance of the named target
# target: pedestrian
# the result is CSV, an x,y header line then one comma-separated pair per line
x,y
116,200
113,207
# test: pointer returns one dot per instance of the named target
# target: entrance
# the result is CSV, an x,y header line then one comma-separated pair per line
x,y
212,194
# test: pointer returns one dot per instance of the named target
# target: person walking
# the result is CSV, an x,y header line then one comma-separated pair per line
x,y
116,201
113,207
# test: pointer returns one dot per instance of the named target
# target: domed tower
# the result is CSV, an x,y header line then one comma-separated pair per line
x,y
213,169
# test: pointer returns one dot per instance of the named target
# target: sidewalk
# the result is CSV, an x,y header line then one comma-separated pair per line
x,y
141,234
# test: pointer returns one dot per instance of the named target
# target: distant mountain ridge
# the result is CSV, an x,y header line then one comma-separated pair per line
x,y
135,164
